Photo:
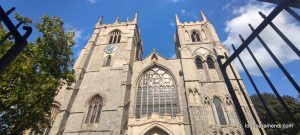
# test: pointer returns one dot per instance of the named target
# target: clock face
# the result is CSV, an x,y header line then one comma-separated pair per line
x,y
110,49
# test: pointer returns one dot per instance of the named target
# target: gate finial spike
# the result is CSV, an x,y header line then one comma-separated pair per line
x,y
203,16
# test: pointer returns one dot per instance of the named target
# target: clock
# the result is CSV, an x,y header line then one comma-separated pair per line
x,y
110,49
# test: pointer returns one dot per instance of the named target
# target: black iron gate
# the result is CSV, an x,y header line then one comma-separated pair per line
x,y
20,40
282,5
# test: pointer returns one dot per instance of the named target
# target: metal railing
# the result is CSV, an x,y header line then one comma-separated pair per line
x,y
20,41
282,5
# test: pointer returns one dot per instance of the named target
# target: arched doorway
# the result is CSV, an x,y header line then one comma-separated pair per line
x,y
156,131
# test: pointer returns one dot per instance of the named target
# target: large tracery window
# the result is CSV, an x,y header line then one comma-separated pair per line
x,y
115,37
156,92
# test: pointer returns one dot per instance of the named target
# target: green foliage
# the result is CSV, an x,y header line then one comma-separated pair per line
x,y
31,81
278,112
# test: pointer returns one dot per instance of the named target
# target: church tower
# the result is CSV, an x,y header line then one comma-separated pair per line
x,y
118,93
211,110
99,100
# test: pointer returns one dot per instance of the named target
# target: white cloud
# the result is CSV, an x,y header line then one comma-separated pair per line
x,y
93,1
183,11
78,33
173,56
172,24
175,1
249,14
188,13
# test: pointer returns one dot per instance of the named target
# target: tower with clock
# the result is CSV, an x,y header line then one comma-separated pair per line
x,y
117,92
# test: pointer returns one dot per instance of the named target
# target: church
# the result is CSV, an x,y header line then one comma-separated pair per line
x,y
117,92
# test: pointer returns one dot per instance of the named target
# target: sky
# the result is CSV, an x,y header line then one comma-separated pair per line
x,y
157,24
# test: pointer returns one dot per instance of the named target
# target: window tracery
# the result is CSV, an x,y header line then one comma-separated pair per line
x,y
94,110
156,92
115,37
228,100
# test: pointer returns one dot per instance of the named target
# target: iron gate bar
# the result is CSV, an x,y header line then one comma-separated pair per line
x,y
257,91
287,74
20,40
295,3
283,4
9,11
271,85
246,97
9,33
293,13
9,24
237,106
293,47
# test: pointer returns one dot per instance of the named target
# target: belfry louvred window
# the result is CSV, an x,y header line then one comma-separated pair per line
x,y
198,63
156,93
115,37
94,110
195,36
210,63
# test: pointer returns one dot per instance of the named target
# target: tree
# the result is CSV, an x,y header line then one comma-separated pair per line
x,y
32,80
278,112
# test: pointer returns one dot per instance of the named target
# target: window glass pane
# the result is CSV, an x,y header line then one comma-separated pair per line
x,y
138,111
98,114
219,110
88,114
93,114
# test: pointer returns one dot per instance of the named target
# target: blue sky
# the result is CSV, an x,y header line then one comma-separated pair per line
x,y
229,17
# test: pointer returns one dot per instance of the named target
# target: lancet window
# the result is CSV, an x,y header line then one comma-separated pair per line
x,y
115,37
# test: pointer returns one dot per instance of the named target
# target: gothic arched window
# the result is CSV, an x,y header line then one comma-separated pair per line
x,y
210,63
94,110
195,36
115,37
198,63
156,92
220,112
107,61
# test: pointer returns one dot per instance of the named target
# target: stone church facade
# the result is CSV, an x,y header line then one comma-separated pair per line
x,y
119,93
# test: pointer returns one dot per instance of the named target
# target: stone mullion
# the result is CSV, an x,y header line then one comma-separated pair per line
x,y
153,102
159,100
171,97
114,38
147,96
165,95
142,92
